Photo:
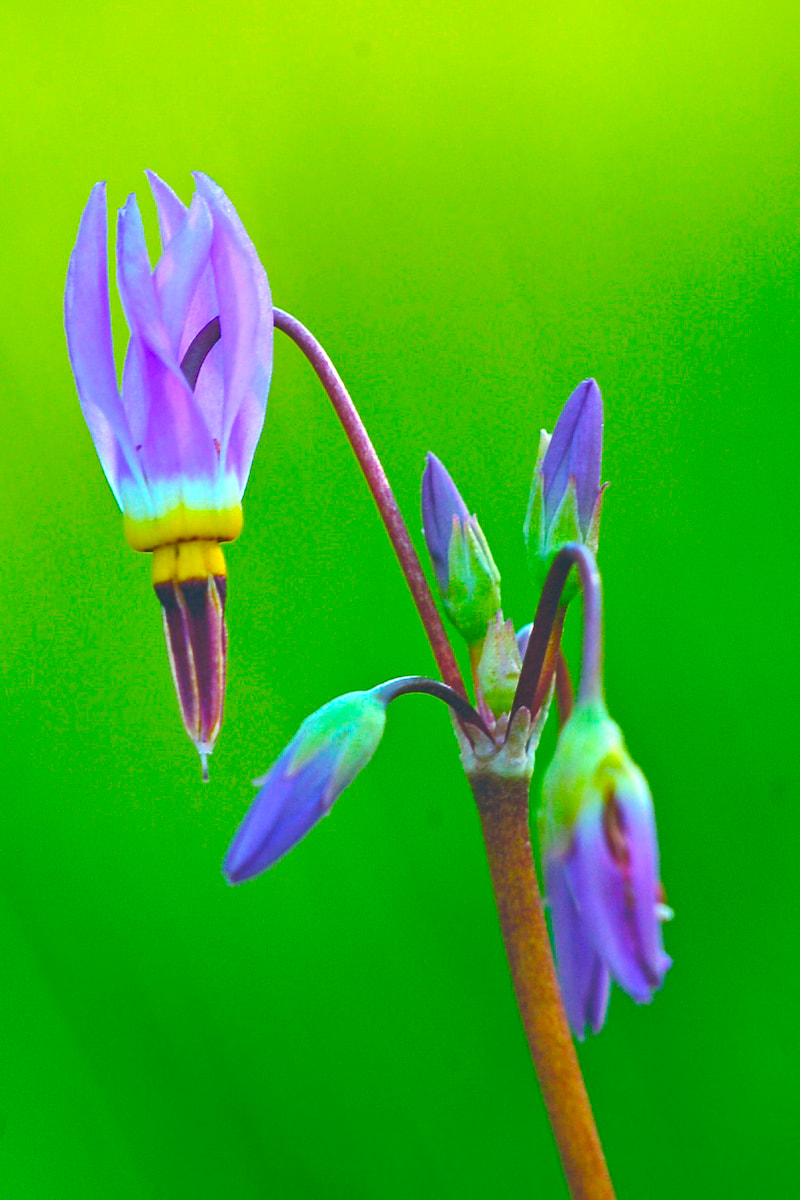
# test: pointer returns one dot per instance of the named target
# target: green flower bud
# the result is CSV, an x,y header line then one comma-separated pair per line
x,y
499,666
472,599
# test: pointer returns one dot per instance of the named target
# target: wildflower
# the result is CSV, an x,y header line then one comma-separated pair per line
x,y
565,499
469,582
176,441
600,854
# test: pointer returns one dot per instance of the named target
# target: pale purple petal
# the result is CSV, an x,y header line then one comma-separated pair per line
x,y
87,318
203,307
176,441
245,312
180,269
209,390
171,210
582,975
134,391
135,282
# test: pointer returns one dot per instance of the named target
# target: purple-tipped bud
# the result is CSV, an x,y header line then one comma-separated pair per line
x,y
600,855
441,502
574,454
469,582
566,493
325,755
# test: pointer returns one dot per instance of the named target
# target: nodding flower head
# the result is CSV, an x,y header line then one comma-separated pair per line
x,y
566,494
322,759
600,855
177,438
469,582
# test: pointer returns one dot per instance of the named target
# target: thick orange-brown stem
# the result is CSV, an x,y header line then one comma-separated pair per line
x,y
503,807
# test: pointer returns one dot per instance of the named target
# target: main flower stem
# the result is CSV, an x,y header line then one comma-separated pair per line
x,y
382,493
503,807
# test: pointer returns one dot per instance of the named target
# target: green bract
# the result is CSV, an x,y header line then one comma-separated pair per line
x,y
499,666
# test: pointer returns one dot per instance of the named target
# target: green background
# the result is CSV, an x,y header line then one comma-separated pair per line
x,y
474,207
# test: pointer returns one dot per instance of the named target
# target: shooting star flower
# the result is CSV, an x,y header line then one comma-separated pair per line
x,y
176,441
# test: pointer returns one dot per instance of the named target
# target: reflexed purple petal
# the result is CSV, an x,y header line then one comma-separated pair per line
x,y
441,501
134,389
245,312
87,318
615,915
180,269
136,287
582,976
209,390
203,307
176,441
286,807
171,210
574,452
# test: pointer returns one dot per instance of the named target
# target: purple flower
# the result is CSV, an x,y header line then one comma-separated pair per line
x,y
176,441
600,853
325,755
566,495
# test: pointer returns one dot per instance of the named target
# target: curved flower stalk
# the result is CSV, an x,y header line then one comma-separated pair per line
x,y
177,439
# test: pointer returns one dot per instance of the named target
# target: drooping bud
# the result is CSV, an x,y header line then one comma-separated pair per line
x,y
600,854
469,582
190,581
499,666
566,495
325,755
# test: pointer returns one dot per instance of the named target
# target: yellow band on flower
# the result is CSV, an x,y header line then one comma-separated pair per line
x,y
184,561
183,524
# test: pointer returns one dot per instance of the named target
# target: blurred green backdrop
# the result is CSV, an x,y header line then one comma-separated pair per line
x,y
474,209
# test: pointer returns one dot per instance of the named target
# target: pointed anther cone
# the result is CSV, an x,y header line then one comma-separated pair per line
x,y
190,581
